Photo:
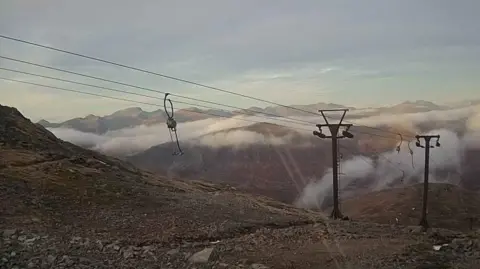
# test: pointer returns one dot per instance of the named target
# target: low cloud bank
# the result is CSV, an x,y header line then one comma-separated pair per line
x,y
392,169
471,112
208,132
238,139
386,170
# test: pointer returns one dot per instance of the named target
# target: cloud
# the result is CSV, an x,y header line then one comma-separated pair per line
x,y
240,139
209,132
411,119
205,132
390,169
360,173
315,193
473,122
87,140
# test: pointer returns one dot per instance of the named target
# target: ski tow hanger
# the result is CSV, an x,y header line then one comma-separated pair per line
x,y
172,125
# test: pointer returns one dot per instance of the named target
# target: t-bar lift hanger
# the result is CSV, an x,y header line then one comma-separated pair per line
x,y
172,125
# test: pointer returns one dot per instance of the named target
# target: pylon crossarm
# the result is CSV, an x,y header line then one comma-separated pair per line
x,y
343,116
324,117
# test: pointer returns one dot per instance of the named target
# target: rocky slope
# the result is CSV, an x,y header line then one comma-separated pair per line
x,y
65,207
448,206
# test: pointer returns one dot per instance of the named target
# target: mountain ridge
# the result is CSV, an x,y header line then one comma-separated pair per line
x,y
135,116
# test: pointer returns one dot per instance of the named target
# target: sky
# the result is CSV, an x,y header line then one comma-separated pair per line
x,y
358,53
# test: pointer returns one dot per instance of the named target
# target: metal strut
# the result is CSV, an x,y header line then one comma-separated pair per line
x,y
172,125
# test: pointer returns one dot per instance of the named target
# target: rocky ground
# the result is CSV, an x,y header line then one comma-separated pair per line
x,y
65,207
341,245
449,206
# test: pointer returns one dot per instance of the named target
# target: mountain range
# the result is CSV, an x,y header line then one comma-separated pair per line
x,y
284,161
270,168
63,206
278,161
126,118
135,116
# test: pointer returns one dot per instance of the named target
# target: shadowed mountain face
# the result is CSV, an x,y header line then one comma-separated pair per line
x,y
283,162
471,169
264,168
278,166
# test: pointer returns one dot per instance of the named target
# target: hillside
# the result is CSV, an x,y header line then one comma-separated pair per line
x,y
51,186
65,207
278,165
448,206
266,168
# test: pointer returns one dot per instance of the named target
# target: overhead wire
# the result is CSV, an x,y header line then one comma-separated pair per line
x,y
145,88
377,154
134,101
151,90
410,151
172,78
377,135
140,102
277,118
156,105
147,72
167,77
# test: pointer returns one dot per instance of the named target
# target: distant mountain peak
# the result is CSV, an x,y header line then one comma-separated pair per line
x,y
131,109
413,107
420,103
128,112
43,122
190,109
255,108
91,117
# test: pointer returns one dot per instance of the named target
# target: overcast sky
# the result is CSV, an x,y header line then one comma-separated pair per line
x,y
361,53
